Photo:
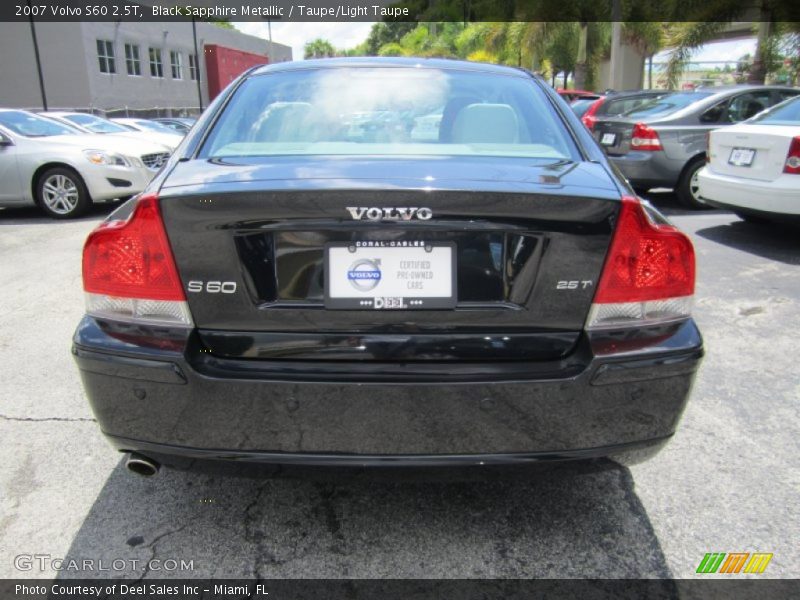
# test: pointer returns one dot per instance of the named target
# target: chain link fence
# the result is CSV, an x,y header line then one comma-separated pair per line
x,y
126,111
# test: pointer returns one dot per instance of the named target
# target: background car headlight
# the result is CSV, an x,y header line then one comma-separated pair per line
x,y
99,157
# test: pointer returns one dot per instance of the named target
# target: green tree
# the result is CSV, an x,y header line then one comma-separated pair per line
x,y
774,26
319,48
386,33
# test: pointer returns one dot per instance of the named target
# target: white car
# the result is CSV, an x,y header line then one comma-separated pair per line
x,y
754,167
63,171
94,124
156,131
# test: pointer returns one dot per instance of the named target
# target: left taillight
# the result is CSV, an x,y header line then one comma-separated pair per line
x,y
129,272
649,273
589,118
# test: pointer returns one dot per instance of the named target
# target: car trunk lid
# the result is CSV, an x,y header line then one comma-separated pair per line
x,y
528,241
614,135
752,152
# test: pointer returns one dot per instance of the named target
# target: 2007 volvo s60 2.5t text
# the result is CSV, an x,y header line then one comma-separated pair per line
x,y
387,261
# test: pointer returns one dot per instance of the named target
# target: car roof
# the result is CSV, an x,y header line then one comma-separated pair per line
x,y
613,95
740,86
385,61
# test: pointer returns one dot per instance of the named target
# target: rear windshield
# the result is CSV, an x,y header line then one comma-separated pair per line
x,y
579,107
619,106
667,105
786,113
30,125
389,111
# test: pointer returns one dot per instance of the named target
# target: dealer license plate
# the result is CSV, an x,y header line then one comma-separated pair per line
x,y
390,275
742,157
608,139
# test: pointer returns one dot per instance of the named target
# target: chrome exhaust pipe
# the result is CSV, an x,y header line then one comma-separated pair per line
x,y
141,465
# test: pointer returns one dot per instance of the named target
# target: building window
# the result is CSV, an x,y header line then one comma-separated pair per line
x,y
194,73
132,62
105,56
176,63
156,66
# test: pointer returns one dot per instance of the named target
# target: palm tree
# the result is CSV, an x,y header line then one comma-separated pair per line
x,y
774,23
319,48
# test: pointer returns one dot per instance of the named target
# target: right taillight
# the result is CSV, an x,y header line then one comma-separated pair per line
x,y
645,138
648,276
129,273
792,164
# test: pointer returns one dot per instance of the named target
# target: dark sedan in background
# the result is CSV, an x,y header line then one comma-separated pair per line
x,y
387,262
615,104
662,143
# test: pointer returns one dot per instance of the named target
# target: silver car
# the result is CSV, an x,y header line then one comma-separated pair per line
x,y
94,124
63,171
662,143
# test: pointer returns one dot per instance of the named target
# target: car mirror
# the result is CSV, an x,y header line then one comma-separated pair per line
x,y
5,141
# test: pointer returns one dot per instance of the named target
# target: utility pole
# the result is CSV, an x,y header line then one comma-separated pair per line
x,y
196,66
37,58
615,72
269,28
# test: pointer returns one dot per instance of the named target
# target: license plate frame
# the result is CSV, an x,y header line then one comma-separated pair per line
x,y
742,157
341,259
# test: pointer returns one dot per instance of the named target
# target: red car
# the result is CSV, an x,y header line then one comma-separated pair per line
x,y
572,95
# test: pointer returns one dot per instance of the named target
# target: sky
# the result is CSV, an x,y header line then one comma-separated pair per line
x,y
347,35
341,35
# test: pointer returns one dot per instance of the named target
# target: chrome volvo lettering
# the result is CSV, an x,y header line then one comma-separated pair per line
x,y
394,213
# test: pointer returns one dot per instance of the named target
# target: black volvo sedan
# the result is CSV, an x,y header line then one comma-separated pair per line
x,y
387,261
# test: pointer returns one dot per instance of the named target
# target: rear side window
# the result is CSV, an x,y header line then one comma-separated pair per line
x,y
786,94
746,106
389,111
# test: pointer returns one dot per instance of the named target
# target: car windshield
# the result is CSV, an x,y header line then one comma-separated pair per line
x,y
153,126
785,113
95,124
31,125
178,126
667,104
386,112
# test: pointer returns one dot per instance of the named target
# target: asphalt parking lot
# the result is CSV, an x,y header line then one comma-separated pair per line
x,y
728,482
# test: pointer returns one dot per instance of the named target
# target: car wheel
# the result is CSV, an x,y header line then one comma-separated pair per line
x,y
62,194
688,189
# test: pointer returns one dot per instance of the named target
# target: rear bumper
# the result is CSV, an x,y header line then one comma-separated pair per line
x,y
649,169
189,406
779,197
